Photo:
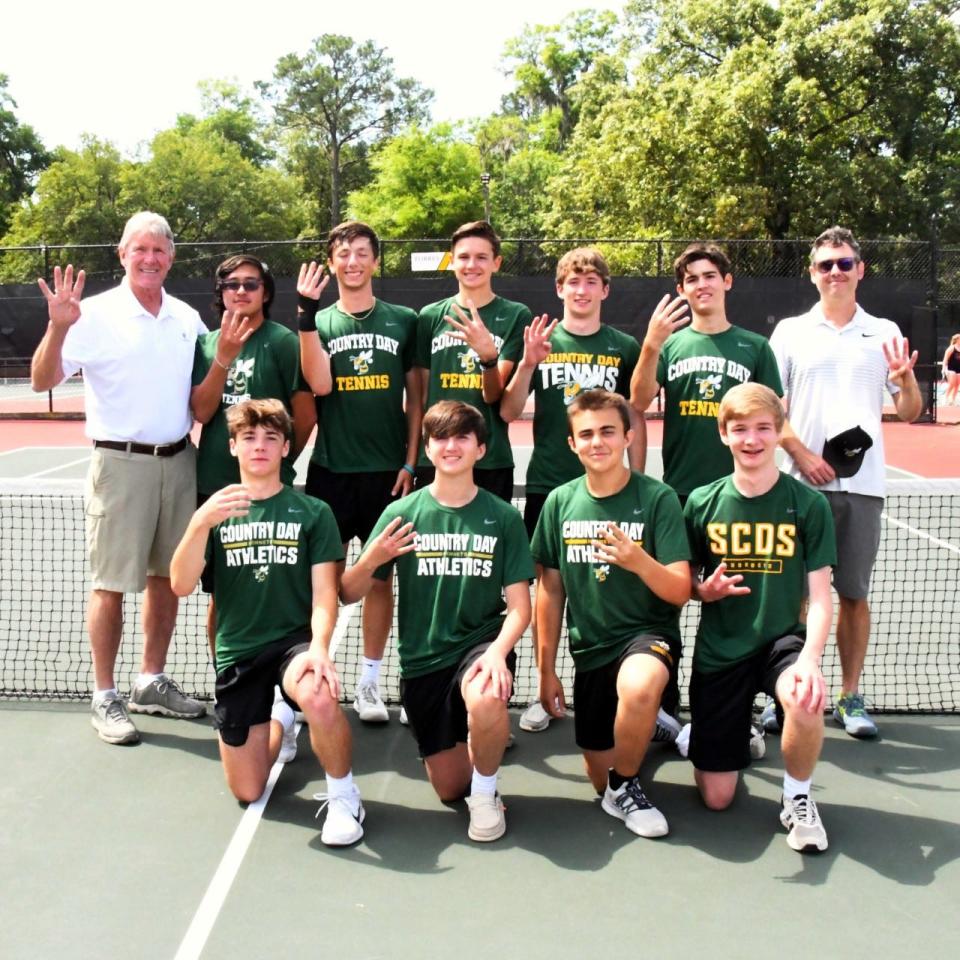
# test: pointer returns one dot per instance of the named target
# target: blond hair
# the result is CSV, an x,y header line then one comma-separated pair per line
x,y
747,399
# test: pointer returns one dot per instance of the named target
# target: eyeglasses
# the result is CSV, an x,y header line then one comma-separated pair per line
x,y
846,264
234,286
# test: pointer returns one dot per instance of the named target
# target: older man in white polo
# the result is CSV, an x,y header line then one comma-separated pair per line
x,y
135,345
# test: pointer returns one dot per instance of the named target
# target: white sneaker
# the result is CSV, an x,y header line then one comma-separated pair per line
x,y
801,817
288,745
369,706
341,828
630,804
404,719
758,747
682,743
768,719
534,718
487,820
667,729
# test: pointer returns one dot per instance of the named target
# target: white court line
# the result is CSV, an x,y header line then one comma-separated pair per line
x,y
201,926
59,466
4,453
913,476
923,536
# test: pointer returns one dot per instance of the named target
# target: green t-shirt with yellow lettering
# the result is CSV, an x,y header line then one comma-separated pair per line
x,y
773,540
608,606
450,587
362,427
696,370
454,368
262,564
605,359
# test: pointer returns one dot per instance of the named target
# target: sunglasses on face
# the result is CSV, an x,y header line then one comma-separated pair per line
x,y
236,285
846,264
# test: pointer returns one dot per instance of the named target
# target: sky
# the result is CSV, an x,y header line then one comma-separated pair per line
x,y
123,70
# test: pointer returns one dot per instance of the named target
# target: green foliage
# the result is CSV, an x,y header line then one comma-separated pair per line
x,y
22,156
338,97
425,184
755,118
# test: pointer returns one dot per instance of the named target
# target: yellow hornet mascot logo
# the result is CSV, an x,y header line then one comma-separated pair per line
x,y
468,361
709,385
361,361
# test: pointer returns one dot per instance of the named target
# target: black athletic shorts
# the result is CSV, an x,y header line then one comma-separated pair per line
x,y
244,691
721,705
434,703
498,481
356,499
532,510
595,696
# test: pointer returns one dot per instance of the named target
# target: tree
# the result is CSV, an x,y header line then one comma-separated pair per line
x,y
76,201
22,156
338,97
547,63
755,118
227,111
425,184
208,190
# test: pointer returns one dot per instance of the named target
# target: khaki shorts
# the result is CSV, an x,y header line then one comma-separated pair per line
x,y
137,509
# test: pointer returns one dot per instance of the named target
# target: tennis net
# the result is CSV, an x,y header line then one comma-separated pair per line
x,y
913,664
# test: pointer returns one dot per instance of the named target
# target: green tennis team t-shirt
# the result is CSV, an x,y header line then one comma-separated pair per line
x,y
454,368
268,367
773,541
262,571
451,585
605,359
608,606
696,370
362,427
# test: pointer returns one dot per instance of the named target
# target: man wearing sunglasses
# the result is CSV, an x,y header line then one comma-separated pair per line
x,y
249,357
836,362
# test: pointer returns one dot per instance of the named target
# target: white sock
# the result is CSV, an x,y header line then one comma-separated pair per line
x,y
795,788
341,786
370,671
145,679
282,712
483,785
99,695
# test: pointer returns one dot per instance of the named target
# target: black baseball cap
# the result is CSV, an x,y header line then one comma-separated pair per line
x,y
845,451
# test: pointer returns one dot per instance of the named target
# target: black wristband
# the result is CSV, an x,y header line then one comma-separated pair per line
x,y
307,313
489,364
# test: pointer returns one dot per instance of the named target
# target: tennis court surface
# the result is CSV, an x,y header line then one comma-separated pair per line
x,y
142,850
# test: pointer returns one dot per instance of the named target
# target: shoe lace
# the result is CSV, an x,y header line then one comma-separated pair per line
x,y
853,705
804,809
633,798
367,692
116,709
166,683
328,800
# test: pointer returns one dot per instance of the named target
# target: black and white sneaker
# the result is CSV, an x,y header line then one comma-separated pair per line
x,y
630,804
802,819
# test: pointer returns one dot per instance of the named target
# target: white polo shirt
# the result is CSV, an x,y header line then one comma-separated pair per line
x,y
136,367
835,379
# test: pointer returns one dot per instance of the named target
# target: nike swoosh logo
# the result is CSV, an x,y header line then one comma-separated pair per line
x,y
391,323
292,510
489,521
637,513
867,334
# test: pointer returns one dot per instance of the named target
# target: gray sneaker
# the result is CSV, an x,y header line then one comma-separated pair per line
x,y
164,696
852,715
112,722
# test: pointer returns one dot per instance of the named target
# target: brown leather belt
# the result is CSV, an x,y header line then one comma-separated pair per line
x,y
157,450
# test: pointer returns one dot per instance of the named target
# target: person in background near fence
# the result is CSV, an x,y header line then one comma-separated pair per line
x,y
463,570
135,345
467,346
696,366
836,362
368,405
560,360
951,369
248,357
275,553
613,553
761,540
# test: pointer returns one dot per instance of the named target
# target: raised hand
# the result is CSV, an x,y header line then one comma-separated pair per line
x,y
235,331
667,317
536,340
63,302
899,359
718,585
396,539
232,501
312,280
472,330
